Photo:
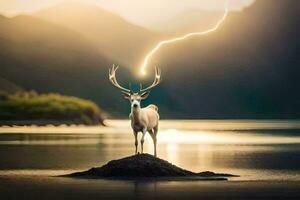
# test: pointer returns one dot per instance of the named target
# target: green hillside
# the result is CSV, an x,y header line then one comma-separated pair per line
x,y
31,108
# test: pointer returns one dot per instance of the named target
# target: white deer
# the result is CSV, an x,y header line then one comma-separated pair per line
x,y
142,119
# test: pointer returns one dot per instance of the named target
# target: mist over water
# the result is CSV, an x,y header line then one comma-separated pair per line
x,y
254,149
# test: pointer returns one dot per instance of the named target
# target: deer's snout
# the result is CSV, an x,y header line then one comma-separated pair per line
x,y
135,104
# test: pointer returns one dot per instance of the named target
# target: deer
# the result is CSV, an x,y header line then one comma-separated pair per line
x,y
142,119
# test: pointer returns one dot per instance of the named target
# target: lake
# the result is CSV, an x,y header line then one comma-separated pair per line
x,y
254,149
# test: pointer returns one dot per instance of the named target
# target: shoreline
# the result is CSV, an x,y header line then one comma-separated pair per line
x,y
42,123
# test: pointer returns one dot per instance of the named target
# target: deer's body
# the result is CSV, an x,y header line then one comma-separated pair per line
x,y
142,119
145,120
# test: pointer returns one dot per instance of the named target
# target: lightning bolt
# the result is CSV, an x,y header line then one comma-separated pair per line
x,y
164,42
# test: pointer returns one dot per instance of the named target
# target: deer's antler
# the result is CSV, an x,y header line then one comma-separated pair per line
x,y
113,79
157,80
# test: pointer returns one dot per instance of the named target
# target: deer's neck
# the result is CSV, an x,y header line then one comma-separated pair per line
x,y
136,112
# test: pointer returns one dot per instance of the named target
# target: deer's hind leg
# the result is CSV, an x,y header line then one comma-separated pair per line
x,y
155,129
153,136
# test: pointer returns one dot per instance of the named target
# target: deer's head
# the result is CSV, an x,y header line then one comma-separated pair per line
x,y
135,98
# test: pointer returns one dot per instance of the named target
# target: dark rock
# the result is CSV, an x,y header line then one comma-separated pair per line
x,y
144,166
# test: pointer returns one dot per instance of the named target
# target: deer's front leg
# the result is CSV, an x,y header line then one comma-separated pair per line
x,y
135,141
142,140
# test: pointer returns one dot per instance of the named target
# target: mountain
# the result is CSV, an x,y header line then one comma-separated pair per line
x,y
189,21
249,68
38,55
114,37
8,86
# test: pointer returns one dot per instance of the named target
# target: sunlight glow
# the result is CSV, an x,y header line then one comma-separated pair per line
x,y
173,136
198,133
164,42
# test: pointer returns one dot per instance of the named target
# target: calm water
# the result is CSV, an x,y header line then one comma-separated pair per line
x,y
256,150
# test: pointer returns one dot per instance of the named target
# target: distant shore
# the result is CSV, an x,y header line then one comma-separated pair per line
x,y
12,123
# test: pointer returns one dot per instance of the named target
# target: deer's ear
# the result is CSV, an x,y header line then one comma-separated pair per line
x,y
126,95
144,95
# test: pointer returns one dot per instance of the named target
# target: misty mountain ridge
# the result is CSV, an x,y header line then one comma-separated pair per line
x,y
8,86
190,20
105,29
246,69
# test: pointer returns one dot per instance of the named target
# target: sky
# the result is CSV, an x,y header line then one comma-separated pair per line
x,y
142,12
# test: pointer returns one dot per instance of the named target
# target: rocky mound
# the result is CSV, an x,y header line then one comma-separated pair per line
x,y
144,166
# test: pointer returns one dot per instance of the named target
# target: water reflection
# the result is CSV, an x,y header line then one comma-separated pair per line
x,y
224,146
